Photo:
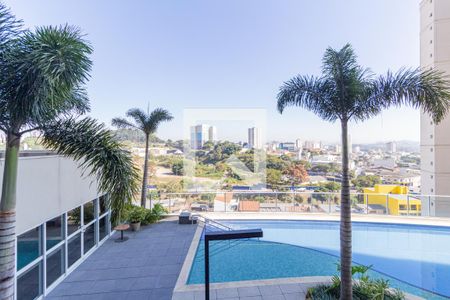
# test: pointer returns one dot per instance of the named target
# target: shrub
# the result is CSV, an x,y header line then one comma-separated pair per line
x,y
159,210
363,288
150,217
136,214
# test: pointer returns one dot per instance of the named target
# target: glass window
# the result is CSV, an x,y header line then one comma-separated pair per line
x,y
103,204
89,212
73,220
54,231
28,247
28,287
103,228
89,238
55,265
74,249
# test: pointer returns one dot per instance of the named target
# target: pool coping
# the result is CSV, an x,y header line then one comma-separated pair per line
x,y
181,285
282,216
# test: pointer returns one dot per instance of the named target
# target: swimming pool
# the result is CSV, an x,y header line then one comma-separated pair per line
x,y
413,258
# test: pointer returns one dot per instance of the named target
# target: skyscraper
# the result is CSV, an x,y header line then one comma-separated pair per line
x,y
435,139
202,133
391,147
298,144
254,138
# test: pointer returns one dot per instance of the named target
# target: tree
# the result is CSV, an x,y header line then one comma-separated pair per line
x,y
347,92
363,181
147,123
42,74
273,178
296,173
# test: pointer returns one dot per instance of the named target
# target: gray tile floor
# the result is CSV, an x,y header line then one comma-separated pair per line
x,y
144,267
291,291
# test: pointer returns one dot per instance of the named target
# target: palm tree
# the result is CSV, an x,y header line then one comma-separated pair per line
x,y
147,123
347,92
42,73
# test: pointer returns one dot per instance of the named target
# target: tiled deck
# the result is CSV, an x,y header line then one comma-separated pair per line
x,y
293,291
144,267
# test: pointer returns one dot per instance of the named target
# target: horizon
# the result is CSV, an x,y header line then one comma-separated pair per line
x,y
234,55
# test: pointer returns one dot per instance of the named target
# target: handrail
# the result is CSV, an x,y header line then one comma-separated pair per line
x,y
298,193
208,221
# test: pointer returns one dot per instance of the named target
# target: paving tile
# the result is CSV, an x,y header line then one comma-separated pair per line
x,y
290,288
248,291
227,293
200,295
268,290
295,296
251,298
166,281
138,295
161,294
273,297
113,285
145,283
184,296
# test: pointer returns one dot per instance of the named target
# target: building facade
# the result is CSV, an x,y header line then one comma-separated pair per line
x,y
435,138
61,220
202,133
254,138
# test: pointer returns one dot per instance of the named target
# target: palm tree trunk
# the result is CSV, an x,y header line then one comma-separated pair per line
x,y
8,218
145,178
346,221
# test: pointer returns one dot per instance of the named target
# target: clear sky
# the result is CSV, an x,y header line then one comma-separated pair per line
x,y
234,54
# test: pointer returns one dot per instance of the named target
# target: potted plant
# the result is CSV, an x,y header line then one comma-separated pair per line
x,y
135,217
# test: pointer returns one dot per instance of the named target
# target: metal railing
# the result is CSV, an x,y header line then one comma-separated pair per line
x,y
306,202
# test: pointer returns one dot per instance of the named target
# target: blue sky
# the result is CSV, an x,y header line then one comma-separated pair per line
x,y
234,54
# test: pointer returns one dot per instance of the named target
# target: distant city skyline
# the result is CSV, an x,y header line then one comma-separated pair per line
x,y
234,54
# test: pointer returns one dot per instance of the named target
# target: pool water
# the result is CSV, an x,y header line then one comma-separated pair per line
x,y
413,258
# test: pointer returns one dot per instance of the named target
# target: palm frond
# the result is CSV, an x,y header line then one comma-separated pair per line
x,y
311,93
123,123
428,90
139,116
99,154
339,63
156,117
10,27
41,71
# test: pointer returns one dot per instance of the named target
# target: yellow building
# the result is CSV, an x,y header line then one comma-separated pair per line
x,y
394,197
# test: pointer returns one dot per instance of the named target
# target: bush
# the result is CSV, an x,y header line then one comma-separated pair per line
x,y
154,215
363,288
150,217
136,214
159,210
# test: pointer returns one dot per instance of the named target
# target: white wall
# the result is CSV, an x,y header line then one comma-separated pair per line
x,y
435,139
48,186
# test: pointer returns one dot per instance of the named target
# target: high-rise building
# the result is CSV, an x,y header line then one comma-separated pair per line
x,y
202,133
435,139
337,148
288,146
391,147
298,144
350,144
254,138
312,145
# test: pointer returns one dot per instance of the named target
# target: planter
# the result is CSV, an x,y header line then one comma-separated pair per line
x,y
135,226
